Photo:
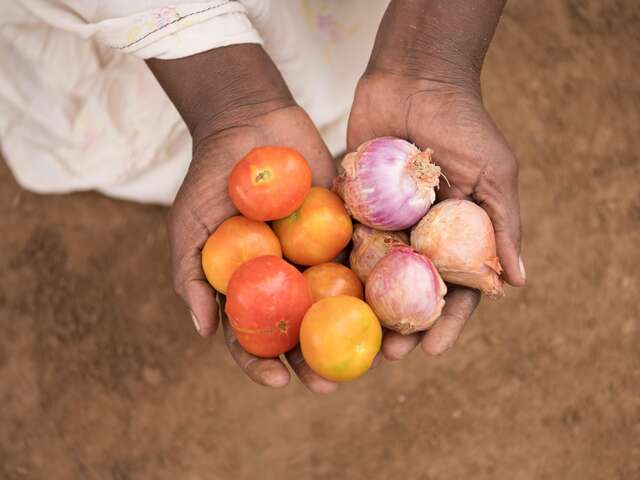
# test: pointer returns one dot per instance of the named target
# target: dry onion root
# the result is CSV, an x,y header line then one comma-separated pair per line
x,y
457,235
369,246
405,291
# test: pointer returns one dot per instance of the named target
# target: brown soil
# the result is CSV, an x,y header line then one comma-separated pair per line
x,y
103,377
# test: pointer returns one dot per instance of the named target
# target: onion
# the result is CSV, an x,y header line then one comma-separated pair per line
x,y
405,291
369,246
387,183
457,235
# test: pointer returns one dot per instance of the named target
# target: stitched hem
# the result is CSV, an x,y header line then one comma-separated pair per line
x,y
227,2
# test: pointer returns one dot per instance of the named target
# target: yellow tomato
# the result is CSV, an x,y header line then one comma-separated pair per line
x,y
340,337
317,231
331,280
237,240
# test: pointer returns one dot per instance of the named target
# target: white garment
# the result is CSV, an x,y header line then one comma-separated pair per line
x,y
80,110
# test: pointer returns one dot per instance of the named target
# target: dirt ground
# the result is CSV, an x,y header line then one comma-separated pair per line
x,y
103,377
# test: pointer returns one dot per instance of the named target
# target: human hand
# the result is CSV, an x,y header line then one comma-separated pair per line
x,y
422,83
475,159
221,137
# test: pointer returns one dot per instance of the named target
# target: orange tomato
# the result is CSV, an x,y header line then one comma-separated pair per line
x,y
237,240
317,231
340,337
266,303
331,280
269,183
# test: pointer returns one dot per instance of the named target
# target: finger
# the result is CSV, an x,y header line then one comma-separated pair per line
x,y
376,360
200,298
269,372
448,190
510,258
323,167
460,304
497,193
189,281
396,346
308,377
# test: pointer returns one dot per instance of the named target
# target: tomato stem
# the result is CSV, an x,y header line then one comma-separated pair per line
x,y
263,176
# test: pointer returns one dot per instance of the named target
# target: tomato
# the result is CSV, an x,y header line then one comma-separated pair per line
x,y
331,280
340,337
235,241
269,183
317,231
266,301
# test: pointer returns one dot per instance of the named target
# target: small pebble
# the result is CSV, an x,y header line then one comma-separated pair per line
x,y
151,375
629,326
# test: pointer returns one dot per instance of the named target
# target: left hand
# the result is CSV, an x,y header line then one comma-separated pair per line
x,y
233,99
474,157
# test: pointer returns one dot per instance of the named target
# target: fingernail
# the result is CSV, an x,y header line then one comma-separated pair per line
x,y
195,321
522,271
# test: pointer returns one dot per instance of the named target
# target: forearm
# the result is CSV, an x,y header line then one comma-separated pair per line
x,y
223,87
445,40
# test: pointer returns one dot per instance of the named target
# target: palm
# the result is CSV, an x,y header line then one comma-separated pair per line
x,y
202,204
474,157
204,191
452,122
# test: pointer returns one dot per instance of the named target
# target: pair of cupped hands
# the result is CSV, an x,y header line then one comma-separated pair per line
x,y
255,108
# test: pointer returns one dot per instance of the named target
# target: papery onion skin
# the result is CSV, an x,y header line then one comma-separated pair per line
x,y
369,246
458,236
388,183
406,291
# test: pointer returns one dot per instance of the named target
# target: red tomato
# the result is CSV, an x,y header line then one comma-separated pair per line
x,y
316,232
331,280
266,302
269,183
235,241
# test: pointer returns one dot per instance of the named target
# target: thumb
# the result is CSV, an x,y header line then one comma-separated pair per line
x,y
321,162
294,128
497,192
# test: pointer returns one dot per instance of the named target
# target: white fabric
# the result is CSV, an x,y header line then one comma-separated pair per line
x,y
79,109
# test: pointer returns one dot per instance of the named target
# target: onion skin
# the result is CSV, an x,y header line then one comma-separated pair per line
x,y
406,291
458,236
387,183
369,246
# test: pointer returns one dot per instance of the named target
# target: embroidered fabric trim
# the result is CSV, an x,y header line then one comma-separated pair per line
x,y
213,7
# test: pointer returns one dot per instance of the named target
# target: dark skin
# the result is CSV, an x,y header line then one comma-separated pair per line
x,y
232,99
422,84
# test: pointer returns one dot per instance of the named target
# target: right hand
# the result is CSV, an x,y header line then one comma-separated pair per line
x,y
422,84
223,133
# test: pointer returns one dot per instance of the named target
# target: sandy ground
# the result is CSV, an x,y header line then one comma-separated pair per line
x,y
103,377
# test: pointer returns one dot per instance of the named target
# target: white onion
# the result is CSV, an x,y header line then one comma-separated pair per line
x,y
458,236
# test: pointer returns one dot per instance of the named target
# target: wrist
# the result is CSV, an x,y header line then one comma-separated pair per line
x,y
222,88
441,41
426,75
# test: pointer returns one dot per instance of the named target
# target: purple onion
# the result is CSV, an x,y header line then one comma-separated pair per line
x,y
388,183
370,246
406,291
